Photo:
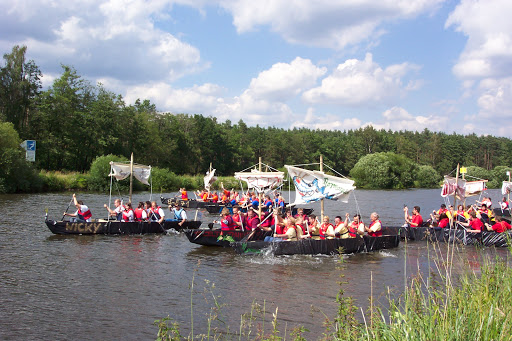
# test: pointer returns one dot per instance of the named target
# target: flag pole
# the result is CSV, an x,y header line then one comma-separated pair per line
x,y
322,200
131,178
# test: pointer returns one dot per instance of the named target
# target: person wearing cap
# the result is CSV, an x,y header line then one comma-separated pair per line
x,y
179,213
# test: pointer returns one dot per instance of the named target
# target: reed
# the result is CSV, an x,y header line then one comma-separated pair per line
x,y
437,306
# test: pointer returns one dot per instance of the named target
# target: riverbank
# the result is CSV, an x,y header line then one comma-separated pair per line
x,y
441,305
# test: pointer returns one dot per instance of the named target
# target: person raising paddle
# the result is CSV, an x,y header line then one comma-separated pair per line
x,y
83,213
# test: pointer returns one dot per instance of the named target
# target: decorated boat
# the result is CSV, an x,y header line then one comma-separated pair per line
x,y
317,247
210,237
117,227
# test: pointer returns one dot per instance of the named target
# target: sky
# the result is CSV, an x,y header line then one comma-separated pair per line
x,y
325,64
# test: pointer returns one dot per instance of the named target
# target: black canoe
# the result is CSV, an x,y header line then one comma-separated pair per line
x,y
505,214
318,247
211,237
117,227
191,203
416,233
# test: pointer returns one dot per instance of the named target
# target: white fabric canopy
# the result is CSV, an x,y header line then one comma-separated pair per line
x,y
209,179
475,187
121,171
314,185
506,187
261,181
452,186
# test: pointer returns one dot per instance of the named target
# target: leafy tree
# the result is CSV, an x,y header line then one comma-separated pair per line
x,y
384,170
19,87
427,177
16,174
100,169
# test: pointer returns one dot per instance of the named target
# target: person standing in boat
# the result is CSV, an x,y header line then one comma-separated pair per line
x,y
116,212
184,194
179,213
414,220
140,213
156,214
375,228
83,213
128,215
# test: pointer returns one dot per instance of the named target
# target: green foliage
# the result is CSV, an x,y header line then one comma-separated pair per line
x,y
164,180
384,170
100,169
498,175
427,177
16,174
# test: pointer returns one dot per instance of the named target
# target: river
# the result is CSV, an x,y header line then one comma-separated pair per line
x,y
113,287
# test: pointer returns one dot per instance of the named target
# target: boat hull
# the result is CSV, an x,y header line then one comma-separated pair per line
x,y
191,203
116,227
318,247
211,237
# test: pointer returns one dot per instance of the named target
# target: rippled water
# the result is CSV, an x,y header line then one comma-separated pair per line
x,y
114,287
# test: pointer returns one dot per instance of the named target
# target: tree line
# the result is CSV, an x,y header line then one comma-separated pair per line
x,y
74,122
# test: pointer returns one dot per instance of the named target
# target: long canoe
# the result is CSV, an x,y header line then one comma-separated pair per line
x,y
190,203
214,238
117,227
217,208
318,247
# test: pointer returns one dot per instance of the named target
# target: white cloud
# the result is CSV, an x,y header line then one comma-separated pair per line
x,y
358,82
324,23
113,38
396,113
398,118
326,122
284,81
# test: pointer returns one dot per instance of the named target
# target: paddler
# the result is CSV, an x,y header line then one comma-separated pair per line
x,y
326,229
82,214
156,214
116,212
355,227
414,220
290,230
179,213
313,227
184,194
128,214
375,228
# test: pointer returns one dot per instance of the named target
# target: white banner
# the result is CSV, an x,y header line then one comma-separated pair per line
x,y
475,187
261,181
506,188
452,186
209,179
121,171
314,185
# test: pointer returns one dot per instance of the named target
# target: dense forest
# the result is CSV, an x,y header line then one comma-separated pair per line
x,y
74,122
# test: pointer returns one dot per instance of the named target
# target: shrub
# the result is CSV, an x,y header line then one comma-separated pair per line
x,y
427,177
100,169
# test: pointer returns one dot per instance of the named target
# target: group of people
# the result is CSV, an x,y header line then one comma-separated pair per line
x,y
300,226
145,211
232,197
474,218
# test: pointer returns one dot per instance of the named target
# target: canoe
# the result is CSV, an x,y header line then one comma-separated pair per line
x,y
217,208
191,203
415,233
505,214
117,227
211,237
318,247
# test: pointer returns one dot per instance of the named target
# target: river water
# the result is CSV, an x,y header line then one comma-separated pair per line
x,y
114,287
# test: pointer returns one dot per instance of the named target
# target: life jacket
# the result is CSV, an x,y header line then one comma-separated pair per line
x,y
378,233
84,215
177,214
239,218
250,222
302,228
352,229
280,203
126,217
227,224
184,195
215,198
205,196
138,214
153,214
268,203
323,229
268,222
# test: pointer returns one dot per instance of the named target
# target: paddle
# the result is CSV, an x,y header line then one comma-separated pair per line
x,y
67,209
249,236
154,215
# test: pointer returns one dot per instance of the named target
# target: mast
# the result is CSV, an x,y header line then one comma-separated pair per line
x,y
131,178
455,193
259,194
508,192
321,200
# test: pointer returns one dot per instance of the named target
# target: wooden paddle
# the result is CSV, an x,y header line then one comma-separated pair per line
x,y
67,209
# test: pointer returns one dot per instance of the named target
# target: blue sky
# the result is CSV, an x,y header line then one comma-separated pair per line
x,y
403,65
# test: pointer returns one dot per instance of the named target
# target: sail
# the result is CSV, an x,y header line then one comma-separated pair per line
x,y
452,186
121,171
506,188
261,181
209,179
314,185
475,187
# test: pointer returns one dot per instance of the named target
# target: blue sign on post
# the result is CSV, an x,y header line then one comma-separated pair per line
x,y
30,148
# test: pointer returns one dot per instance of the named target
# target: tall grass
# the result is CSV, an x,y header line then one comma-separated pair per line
x,y
464,306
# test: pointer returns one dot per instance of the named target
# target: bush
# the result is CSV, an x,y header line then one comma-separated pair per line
x,y
427,177
384,171
164,180
100,169
498,175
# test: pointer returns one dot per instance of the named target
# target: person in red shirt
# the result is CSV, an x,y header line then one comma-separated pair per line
x,y
443,221
414,220
500,226
475,225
